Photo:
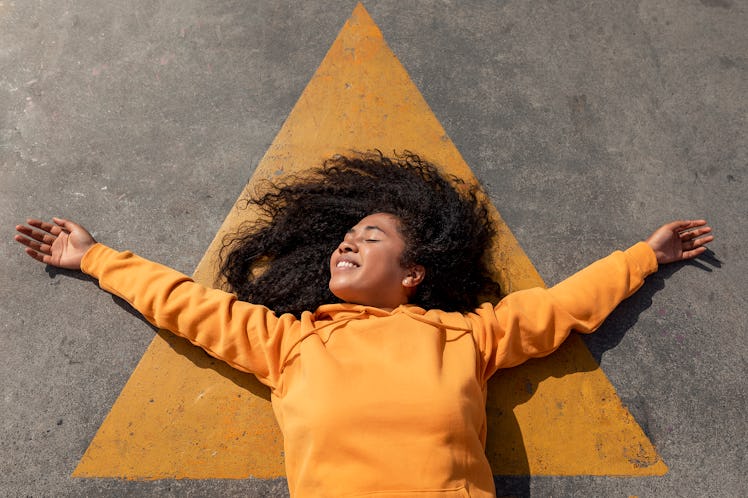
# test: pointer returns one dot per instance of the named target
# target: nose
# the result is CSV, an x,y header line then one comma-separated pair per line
x,y
347,245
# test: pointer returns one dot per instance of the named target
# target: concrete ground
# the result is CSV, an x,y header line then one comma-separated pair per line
x,y
591,123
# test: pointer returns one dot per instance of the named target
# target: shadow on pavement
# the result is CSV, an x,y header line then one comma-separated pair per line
x,y
624,317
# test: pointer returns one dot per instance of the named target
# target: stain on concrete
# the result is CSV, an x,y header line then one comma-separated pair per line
x,y
723,4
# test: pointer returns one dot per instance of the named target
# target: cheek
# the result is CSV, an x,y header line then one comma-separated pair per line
x,y
389,269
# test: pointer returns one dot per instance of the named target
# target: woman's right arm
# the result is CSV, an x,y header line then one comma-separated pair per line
x,y
247,337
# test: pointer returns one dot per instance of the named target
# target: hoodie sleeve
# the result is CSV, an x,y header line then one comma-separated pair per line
x,y
534,322
248,337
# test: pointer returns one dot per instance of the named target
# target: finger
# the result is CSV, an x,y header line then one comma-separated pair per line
x,y
40,236
43,225
60,221
699,242
683,225
675,226
39,257
34,245
693,253
66,224
688,225
694,233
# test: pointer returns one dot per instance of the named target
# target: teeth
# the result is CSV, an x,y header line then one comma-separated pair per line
x,y
346,264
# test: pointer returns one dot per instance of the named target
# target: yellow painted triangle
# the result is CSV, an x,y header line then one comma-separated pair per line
x,y
183,414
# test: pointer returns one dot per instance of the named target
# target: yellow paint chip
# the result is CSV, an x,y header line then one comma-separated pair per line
x,y
183,414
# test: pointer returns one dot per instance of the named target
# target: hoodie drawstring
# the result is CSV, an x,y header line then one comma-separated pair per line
x,y
314,331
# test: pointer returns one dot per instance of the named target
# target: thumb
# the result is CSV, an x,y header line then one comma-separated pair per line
x,y
79,235
67,224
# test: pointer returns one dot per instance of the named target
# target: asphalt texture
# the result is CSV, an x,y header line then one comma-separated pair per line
x,y
590,123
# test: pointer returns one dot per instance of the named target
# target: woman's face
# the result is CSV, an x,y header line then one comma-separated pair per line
x,y
366,269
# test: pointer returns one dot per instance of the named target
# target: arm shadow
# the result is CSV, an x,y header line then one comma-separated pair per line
x,y
625,316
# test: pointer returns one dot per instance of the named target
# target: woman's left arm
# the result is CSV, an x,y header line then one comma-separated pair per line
x,y
535,322
592,294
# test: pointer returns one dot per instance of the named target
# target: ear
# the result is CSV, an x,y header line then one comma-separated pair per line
x,y
414,276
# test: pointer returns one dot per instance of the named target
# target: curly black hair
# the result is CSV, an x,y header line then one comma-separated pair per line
x,y
282,259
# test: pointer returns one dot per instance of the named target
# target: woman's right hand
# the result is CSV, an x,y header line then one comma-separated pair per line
x,y
62,243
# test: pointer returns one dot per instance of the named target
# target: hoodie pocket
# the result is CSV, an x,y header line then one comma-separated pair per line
x,y
460,492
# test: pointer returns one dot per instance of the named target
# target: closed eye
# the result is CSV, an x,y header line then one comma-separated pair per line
x,y
371,240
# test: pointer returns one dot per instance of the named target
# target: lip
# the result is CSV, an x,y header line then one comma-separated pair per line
x,y
345,264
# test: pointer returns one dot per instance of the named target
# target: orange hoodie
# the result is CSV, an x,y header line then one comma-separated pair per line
x,y
372,402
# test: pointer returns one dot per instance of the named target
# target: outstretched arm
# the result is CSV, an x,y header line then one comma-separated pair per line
x,y
534,322
680,240
247,337
62,243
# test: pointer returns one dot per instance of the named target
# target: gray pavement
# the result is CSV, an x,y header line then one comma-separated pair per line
x,y
591,123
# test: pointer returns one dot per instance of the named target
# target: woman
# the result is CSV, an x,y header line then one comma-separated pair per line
x,y
378,353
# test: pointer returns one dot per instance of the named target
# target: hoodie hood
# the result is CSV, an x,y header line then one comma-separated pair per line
x,y
329,315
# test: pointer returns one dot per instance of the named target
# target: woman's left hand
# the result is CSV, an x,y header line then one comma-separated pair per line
x,y
680,240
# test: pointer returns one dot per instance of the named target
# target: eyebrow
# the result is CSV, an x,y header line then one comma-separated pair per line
x,y
368,227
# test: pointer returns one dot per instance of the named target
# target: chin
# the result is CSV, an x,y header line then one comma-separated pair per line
x,y
339,293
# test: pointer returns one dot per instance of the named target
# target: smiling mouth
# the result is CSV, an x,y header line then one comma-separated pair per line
x,y
346,264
